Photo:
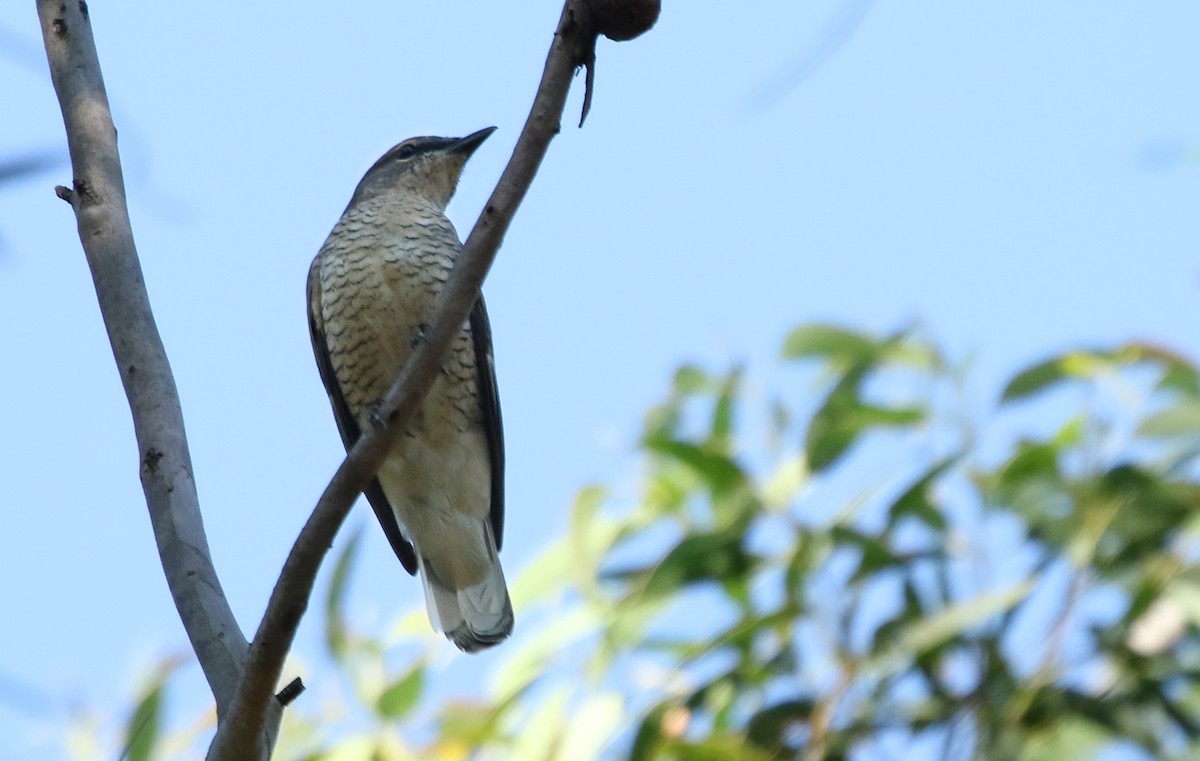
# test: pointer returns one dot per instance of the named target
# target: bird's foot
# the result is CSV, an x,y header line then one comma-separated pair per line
x,y
420,337
375,416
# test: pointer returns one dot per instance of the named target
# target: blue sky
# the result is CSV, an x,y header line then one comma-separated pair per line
x,y
1020,177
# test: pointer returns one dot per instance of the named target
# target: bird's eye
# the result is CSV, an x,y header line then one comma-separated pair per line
x,y
406,152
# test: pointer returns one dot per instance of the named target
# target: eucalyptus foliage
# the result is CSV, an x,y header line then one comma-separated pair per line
x,y
856,559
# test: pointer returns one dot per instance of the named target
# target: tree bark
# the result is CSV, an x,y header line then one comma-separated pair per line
x,y
98,198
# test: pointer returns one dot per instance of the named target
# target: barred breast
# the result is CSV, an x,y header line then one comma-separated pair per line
x,y
380,275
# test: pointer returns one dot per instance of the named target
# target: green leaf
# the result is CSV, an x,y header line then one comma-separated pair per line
x,y
336,631
1081,364
690,379
723,412
141,733
1034,379
888,634
1179,420
717,556
144,727
649,737
870,415
917,500
1179,373
1182,378
771,727
950,622
1071,434
402,694
1069,739
844,416
1131,516
781,488
715,748
1033,463
716,469
875,553
807,553
470,722
740,636
592,535
902,349
830,342
661,420
834,427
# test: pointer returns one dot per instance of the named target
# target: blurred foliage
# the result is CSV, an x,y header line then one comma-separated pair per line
x,y
16,167
861,565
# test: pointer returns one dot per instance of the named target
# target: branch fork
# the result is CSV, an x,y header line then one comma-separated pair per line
x,y
243,675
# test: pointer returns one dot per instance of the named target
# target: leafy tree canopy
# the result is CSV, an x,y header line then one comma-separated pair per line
x,y
868,564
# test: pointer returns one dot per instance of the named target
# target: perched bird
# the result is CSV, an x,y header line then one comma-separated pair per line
x,y
371,289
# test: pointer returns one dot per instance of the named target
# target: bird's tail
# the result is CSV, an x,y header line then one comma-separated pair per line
x,y
474,617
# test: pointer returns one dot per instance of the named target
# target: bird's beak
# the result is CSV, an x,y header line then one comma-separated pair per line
x,y
472,141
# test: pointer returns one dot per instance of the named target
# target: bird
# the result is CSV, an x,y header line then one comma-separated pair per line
x,y
439,495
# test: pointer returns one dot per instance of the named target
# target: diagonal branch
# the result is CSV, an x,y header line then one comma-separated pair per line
x,y
98,199
252,709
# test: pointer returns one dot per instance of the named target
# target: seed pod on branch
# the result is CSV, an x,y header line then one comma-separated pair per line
x,y
621,20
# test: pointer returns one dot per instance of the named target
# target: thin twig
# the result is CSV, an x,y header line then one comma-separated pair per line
x,y
236,739
98,199
290,692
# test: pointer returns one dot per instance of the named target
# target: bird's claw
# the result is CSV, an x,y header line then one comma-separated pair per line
x,y
376,418
420,337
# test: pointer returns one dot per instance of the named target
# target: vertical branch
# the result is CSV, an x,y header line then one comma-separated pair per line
x,y
98,199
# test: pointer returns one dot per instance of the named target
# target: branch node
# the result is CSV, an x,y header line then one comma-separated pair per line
x,y
65,193
289,693
151,460
86,194
60,27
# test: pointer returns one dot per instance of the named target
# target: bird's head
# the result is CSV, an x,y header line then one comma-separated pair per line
x,y
425,166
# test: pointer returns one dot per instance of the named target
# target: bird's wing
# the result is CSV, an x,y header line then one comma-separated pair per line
x,y
489,400
348,426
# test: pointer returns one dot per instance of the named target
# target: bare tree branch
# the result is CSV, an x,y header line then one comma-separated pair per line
x,y
98,199
573,44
